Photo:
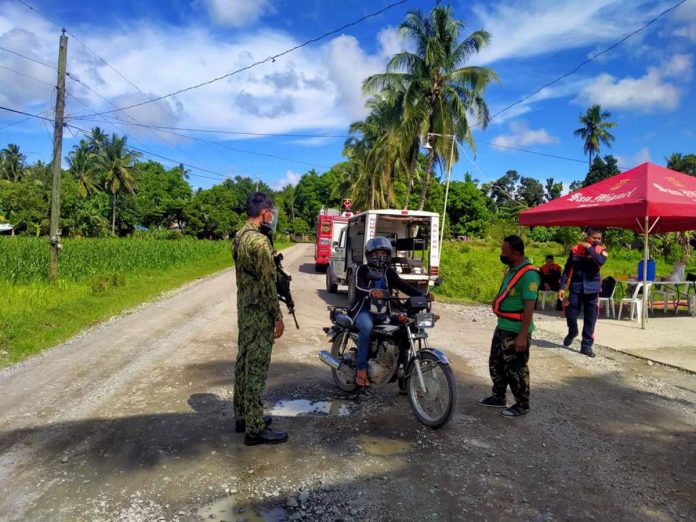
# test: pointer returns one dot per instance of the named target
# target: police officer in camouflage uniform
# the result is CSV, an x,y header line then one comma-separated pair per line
x,y
259,320
514,306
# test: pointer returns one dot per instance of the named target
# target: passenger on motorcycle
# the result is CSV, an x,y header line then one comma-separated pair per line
x,y
373,283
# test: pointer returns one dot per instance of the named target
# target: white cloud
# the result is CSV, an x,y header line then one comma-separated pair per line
x,y
521,135
525,28
290,178
316,88
650,92
235,13
391,42
684,21
628,162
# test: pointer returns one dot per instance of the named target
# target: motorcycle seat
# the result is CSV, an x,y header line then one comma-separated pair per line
x,y
343,320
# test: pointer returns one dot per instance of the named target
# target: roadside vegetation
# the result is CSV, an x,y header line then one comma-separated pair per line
x,y
426,96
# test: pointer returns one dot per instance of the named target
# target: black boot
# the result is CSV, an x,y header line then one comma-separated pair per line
x,y
569,339
267,436
240,424
587,351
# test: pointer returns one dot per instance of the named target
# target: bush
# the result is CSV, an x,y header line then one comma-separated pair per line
x,y
103,282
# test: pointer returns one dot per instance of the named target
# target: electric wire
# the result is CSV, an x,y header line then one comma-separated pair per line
x,y
257,63
588,60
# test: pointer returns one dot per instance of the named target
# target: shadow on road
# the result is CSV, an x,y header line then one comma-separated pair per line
x,y
627,456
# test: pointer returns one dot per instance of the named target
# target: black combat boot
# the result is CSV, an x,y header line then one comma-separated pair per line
x,y
240,424
267,436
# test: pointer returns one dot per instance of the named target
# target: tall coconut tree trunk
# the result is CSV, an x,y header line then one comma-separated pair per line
x,y
426,178
113,214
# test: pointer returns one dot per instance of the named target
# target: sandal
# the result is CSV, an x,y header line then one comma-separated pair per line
x,y
361,378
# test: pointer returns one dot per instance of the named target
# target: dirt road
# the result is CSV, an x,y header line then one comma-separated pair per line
x,y
133,421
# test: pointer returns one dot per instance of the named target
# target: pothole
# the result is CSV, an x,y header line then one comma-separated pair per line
x,y
305,408
382,447
229,510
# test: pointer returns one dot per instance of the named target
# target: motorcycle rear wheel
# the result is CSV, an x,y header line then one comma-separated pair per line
x,y
435,406
339,352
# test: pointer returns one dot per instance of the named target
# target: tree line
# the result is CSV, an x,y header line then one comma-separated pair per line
x,y
419,116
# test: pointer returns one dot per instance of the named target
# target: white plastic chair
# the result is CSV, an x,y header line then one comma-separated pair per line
x,y
543,294
609,302
635,302
668,294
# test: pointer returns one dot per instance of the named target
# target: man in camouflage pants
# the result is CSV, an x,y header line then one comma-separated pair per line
x,y
259,320
514,306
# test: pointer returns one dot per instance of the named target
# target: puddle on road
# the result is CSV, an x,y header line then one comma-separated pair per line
x,y
304,408
227,509
381,447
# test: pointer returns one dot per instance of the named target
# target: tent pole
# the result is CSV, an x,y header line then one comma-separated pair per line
x,y
644,314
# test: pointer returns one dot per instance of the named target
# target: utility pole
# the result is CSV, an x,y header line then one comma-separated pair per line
x,y
54,238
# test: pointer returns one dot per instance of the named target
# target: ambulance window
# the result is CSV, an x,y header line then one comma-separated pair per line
x,y
342,239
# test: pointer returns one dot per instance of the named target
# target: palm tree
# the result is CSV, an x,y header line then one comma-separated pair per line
x,y
594,130
12,161
116,163
82,168
439,91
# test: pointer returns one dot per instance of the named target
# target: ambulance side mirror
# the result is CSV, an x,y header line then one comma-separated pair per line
x,y
335,246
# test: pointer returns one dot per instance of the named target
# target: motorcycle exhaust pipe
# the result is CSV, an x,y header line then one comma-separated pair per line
x,y
329,359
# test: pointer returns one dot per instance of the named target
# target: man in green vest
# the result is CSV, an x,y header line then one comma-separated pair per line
x,y
514,306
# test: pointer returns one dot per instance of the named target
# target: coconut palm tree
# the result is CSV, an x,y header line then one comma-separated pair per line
x,y
439,91
12,162
82,168
594,130
116,163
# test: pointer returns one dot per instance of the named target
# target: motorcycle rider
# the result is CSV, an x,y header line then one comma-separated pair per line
x,y
373,282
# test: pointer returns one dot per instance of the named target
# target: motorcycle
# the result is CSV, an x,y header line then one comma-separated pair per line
x,y
399,352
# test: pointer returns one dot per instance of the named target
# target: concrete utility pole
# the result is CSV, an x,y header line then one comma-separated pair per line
x,y
54,238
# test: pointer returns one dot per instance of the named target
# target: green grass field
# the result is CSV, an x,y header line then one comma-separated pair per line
x,y
472,272
98,278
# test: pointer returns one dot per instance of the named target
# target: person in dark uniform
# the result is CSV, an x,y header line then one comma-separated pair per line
x,y
551,278
581,273
514,306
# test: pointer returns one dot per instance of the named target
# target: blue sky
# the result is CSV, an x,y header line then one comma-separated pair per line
x,y
161,47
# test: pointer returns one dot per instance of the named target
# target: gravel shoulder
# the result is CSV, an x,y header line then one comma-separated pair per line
x,y
133,421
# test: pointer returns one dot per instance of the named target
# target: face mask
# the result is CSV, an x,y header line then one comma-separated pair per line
x,y
273,223
378,260
505,260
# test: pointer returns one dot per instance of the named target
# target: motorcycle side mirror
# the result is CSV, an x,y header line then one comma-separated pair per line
x,y
438,281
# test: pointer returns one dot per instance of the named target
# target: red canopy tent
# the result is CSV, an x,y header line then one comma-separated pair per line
x,y
647,199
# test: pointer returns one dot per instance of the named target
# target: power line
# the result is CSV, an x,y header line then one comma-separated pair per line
x,y
240,133
87,133
29,58
590,59
492,144
234,149
260,62
27,76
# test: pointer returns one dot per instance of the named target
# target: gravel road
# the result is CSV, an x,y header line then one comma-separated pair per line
x,y
133,420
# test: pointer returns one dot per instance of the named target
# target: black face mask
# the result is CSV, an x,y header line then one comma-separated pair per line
x,y
505,260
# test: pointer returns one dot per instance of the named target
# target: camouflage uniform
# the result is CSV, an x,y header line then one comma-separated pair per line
x,y
509,367
257,310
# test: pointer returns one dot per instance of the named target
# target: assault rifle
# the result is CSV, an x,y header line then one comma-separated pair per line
x,y
282,277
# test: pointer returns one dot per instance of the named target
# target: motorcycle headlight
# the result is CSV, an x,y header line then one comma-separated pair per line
x,y
424,320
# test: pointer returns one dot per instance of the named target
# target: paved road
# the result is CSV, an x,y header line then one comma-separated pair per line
x,y
132,421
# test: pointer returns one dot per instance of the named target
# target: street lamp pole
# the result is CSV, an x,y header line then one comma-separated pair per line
x,y
447,184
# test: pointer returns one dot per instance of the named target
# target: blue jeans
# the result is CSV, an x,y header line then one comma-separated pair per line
x,y
364,323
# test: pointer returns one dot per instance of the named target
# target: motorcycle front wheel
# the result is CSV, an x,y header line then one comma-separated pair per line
x,y
435,405
347,354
